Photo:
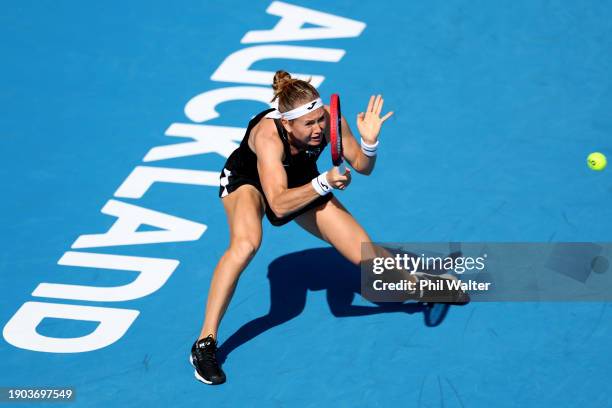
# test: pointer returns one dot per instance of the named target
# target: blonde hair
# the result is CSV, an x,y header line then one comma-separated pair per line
x,y
291,92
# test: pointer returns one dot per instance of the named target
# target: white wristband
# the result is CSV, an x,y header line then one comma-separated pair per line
x,y
321,185
369,149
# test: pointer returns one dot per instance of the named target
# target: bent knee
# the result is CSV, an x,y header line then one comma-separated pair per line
x,y
244,248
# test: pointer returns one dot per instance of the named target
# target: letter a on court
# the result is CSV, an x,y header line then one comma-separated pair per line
x,y
293,18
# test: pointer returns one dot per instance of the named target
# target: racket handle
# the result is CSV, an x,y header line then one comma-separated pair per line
x,y
341,168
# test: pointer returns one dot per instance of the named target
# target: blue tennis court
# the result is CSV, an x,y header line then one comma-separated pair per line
x,y
120,112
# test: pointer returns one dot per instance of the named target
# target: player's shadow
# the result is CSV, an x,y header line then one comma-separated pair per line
x,y
292,276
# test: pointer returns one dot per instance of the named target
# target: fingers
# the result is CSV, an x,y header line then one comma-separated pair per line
x,y
344,185
345,179
370,104
337,180
375,105
348,180
387,116
377,102
342,178
341,185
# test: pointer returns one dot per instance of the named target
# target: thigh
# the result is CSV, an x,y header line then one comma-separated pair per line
x,y
334,224
245,208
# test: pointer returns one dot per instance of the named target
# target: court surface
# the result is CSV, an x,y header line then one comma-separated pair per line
x,y
496,108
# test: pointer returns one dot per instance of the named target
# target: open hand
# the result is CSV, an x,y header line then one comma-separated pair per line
x,y
370,122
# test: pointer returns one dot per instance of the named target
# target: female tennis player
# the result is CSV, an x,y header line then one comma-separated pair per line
x,y
274,172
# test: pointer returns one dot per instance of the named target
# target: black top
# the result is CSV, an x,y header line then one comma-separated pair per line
x,y
241,168
300,168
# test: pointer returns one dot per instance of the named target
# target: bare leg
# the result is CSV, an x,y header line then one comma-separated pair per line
x,y
244,208
332,223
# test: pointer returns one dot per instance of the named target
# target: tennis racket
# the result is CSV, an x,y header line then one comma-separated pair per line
x,y
335,132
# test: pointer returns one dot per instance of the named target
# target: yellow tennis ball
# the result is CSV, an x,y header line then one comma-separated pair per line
x,y
597,161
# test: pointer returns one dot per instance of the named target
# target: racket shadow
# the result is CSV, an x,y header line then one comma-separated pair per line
x,y
291,276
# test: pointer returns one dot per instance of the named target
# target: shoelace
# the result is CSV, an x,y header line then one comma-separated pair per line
x,y
208,353
209,356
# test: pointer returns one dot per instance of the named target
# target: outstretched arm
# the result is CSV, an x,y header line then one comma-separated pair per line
x,y
369,124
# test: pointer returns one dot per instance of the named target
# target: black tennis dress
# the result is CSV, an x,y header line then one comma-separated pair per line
x,y
241,168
